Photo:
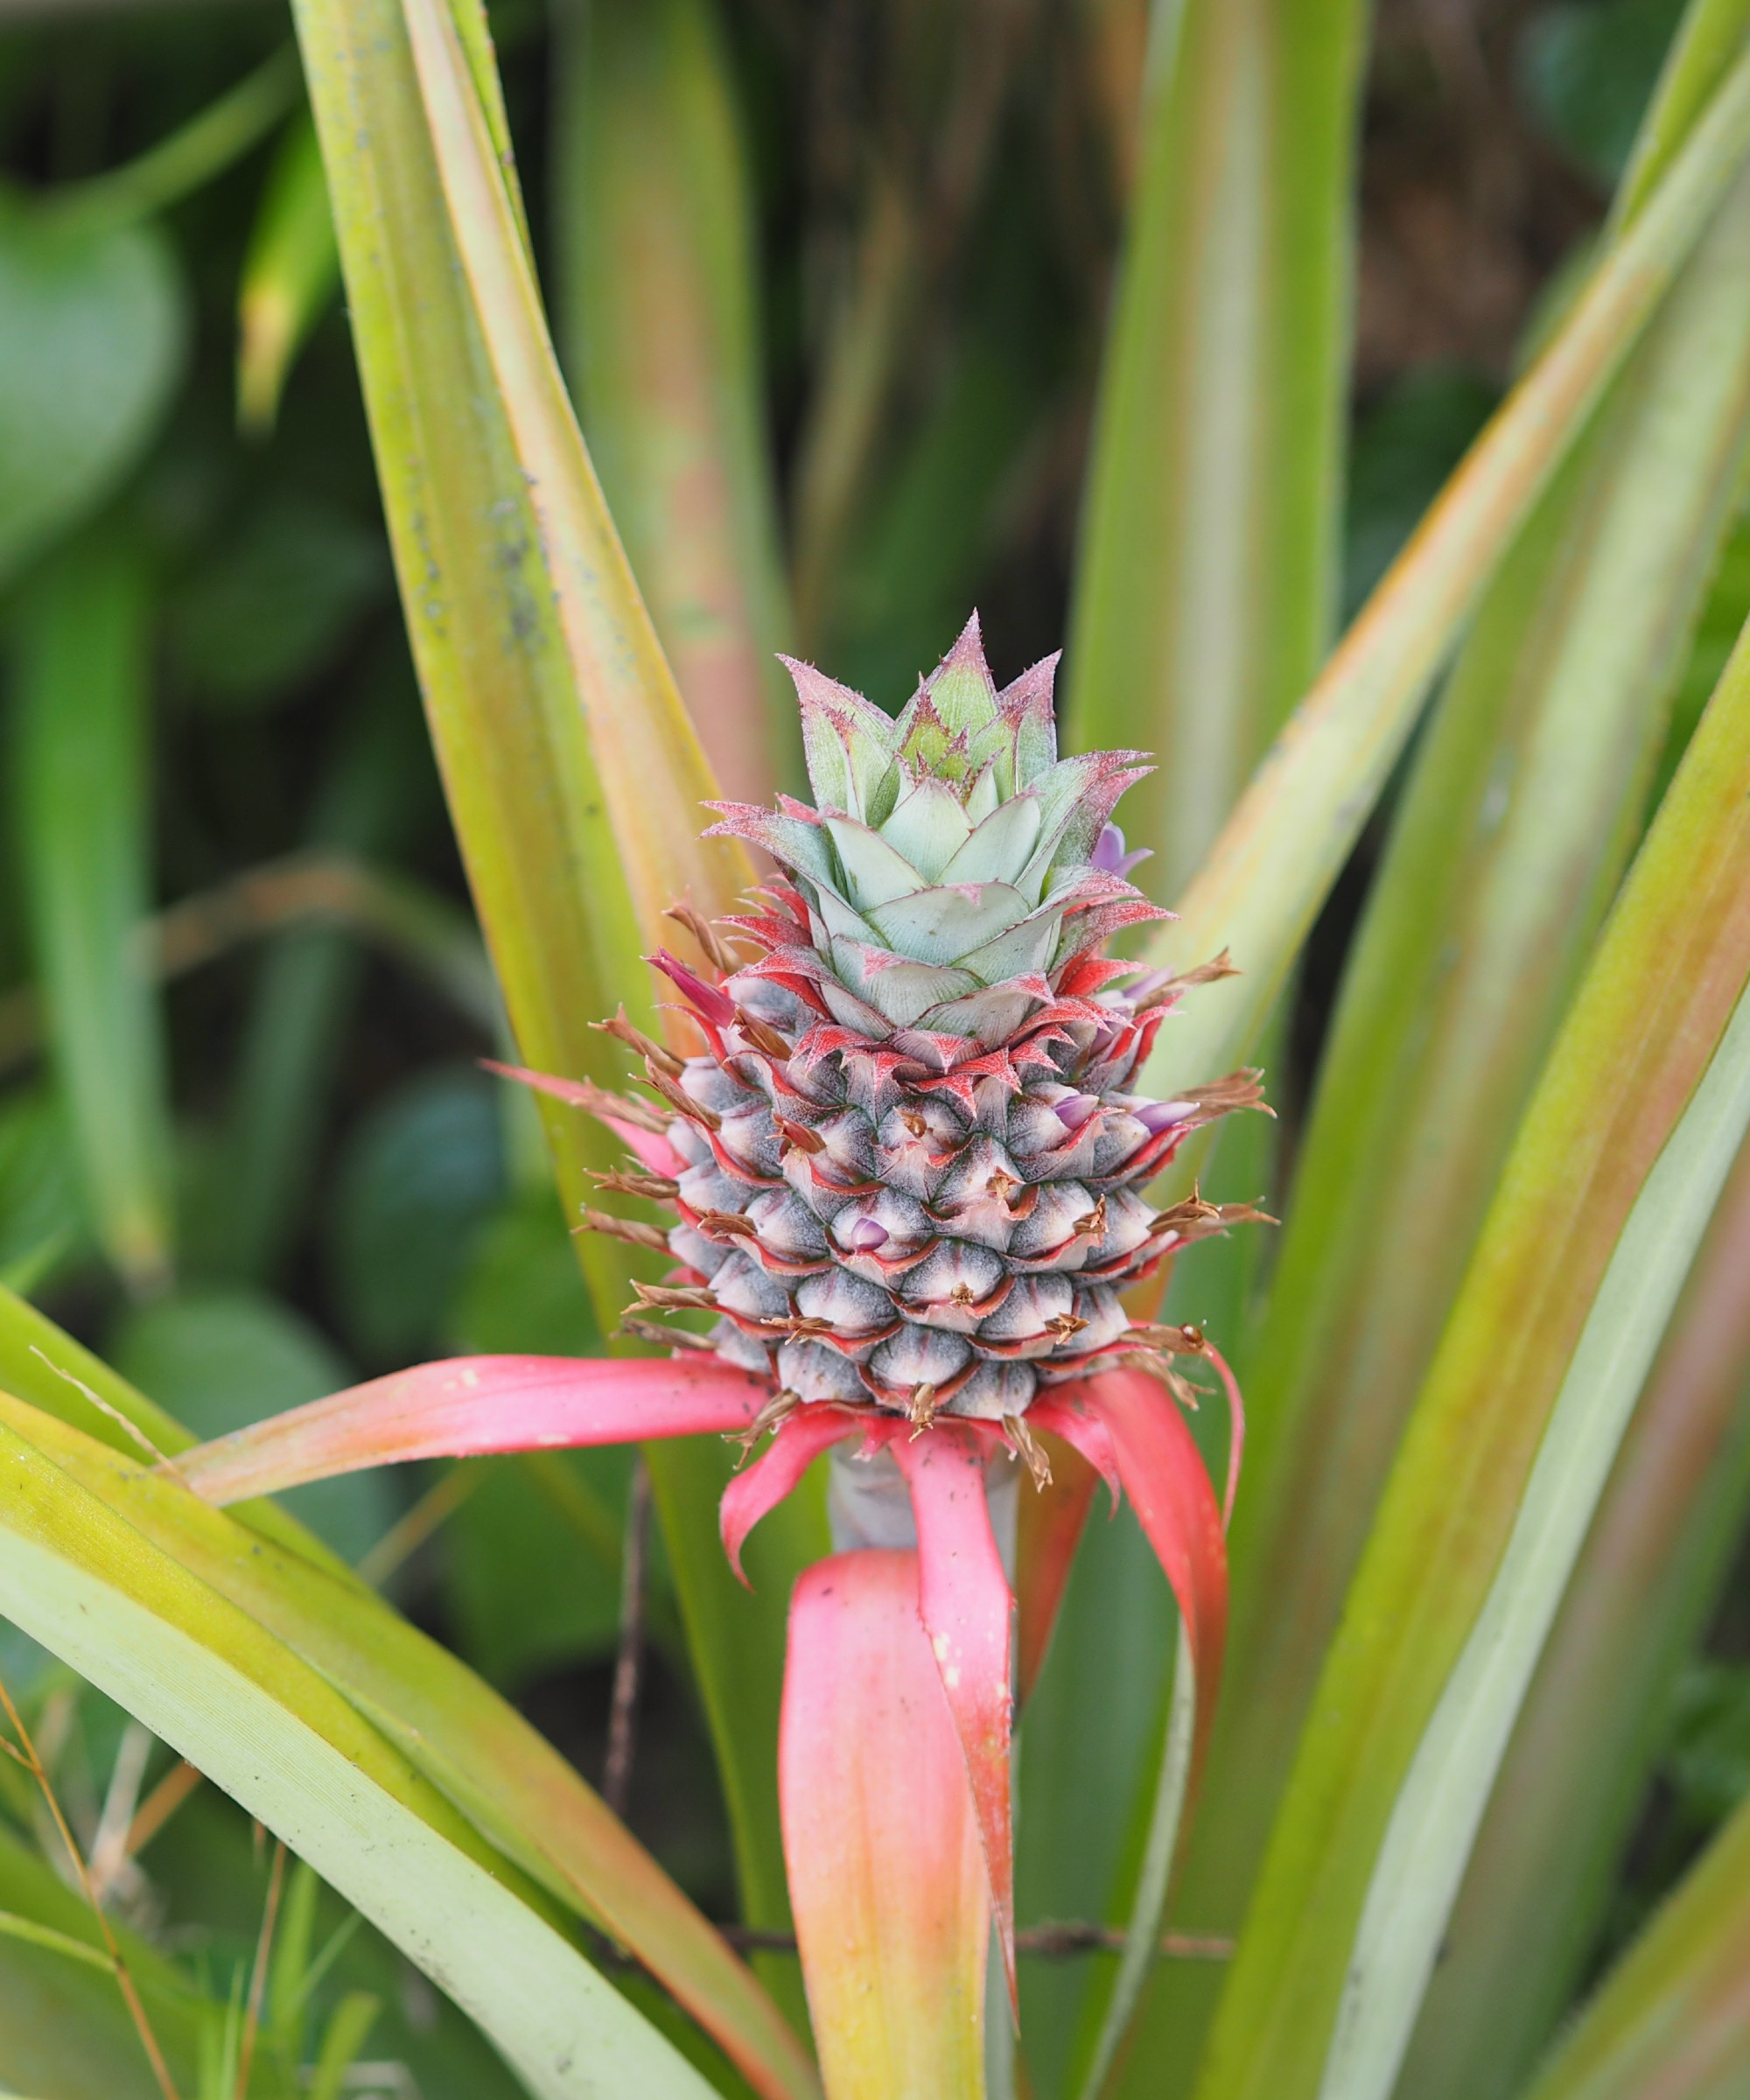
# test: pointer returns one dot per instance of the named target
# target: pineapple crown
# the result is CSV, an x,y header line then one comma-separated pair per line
x,y
953,868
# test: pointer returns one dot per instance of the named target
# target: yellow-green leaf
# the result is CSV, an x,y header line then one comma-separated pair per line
x,y
76,1575
1668,2022
291,274
85,822
1271,870
1608,1189
1206,580
469,1743
1544,1866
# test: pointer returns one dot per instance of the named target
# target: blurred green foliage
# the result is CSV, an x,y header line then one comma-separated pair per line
x,y
417,1178
1708,1762
1586,71
95,328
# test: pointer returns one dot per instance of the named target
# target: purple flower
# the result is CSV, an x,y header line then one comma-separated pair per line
x,y
1075,1109
1157,1115
866,1235
1109,855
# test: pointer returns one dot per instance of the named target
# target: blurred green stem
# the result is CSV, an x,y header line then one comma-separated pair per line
x,y
189,158
316,888
308,977
85,823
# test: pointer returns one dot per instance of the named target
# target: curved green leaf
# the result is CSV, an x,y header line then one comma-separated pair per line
x,y
1470,1531
1206,582
537,808
469,1743
85,820
189,158
1672,2020
654,776
93,345
1709,38
573,777
1204,597
1272,866
1546,1858
1441,1800
1521,811
76,1575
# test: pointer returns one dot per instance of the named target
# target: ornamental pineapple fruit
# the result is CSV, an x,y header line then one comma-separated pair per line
x,y
908,1169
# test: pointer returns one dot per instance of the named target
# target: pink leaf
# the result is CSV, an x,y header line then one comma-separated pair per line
x,y
652,1149
1050,1529
1236,1431
881,1840
466,1405
1169,1486
964,1603
1056,1410
752,1494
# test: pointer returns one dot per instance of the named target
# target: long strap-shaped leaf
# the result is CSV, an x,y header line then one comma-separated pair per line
x,y
463,1406
1544,1866
571,776
1554,1318
646,751
234,1700
886,1875
512,1785
84,825
1206,585
1476,933
1204,593
1274,863
1442,1799
1672,2020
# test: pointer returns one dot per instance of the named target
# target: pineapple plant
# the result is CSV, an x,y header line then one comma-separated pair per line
x,y
922,1152
906,1171
909,1171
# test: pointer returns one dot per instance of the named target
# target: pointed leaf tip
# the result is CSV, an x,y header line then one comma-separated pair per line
x,y
1125,1418
467,1406
757,1491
